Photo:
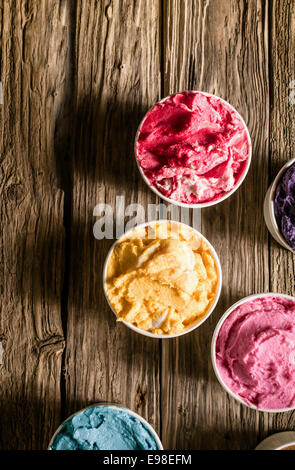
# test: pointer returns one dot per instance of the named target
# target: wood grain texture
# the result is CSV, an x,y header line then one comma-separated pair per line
x,y
117,78
220,47
282,125
32,234
73,98
282,68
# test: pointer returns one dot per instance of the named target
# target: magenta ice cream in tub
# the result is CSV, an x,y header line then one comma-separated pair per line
x,y
253,352
193,149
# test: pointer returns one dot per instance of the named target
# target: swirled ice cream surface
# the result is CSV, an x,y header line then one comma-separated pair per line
x,y
104,428
255,352
162,278
193,147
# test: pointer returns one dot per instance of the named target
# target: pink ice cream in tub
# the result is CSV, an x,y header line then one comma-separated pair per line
x,y
193,149
253,352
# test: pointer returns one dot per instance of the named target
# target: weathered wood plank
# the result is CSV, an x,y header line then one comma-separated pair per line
x,y
282,262
31,212
282,125
117,79
220,47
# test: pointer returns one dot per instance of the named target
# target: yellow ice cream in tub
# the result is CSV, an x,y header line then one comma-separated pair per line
x,y
162,279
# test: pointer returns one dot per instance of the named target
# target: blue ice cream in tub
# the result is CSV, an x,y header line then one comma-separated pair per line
x,y
105,427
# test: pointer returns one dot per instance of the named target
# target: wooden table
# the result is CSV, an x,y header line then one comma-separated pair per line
x,y
77,78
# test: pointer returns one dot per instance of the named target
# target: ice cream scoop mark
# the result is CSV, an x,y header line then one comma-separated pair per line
x,y
159,321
